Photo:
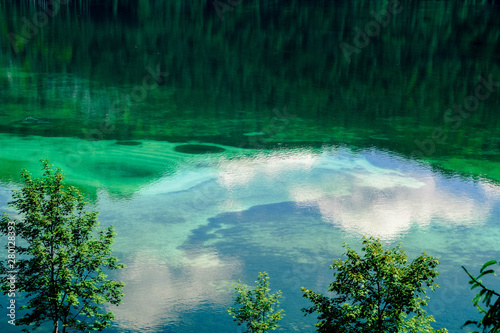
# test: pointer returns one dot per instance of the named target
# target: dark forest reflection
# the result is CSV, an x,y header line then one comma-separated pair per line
x,y
269,68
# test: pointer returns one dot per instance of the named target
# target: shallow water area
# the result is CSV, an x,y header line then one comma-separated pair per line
x,y
190,225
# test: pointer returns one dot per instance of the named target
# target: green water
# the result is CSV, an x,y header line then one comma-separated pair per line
x,y
224,144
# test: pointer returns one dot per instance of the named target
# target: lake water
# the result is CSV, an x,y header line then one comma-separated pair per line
x,y
225,143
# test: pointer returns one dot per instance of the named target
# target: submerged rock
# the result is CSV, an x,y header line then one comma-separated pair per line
x,y
129,143
198,149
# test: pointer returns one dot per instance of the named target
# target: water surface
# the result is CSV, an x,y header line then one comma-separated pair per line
x,y
224,145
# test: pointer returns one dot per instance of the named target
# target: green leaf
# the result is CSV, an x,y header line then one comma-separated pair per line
x,y
487,264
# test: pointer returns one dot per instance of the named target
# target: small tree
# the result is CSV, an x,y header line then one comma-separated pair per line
x,y
257,306
491,299
378,292
59,257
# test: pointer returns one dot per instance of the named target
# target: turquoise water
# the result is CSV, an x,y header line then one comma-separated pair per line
x,y
220,147
191,225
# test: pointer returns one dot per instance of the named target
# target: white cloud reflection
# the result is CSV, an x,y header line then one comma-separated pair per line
x,y
158,292
371,194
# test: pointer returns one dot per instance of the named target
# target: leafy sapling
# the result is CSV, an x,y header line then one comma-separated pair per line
x,y
61,256
490,310
377,292
257,307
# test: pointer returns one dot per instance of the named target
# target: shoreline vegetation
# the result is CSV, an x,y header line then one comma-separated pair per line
x,y
378,291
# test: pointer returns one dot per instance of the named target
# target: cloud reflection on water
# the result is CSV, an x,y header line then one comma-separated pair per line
x,y
157,293
363,193
355,192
